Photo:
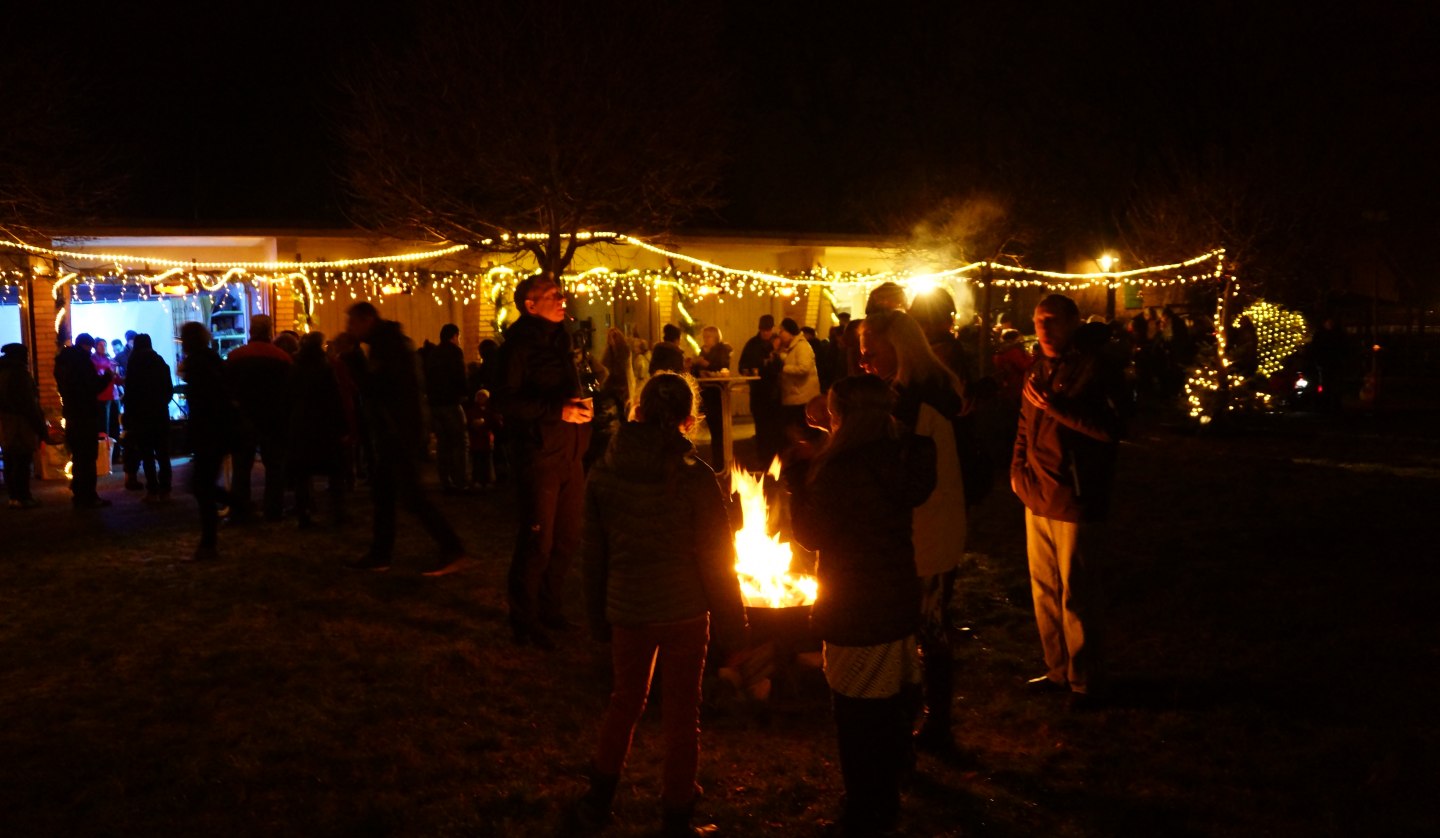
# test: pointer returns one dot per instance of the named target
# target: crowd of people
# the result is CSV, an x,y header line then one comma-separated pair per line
x,y
875,428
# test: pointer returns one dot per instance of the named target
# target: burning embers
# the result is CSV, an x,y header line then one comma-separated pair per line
x,y
762,560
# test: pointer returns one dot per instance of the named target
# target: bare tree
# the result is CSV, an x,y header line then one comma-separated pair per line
x,y
498,119
50,177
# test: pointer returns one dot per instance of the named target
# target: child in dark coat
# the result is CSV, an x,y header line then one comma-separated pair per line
x,y
659,567
853,503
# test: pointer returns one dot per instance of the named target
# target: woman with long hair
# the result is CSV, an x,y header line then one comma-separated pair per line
x,y
928,402
853,503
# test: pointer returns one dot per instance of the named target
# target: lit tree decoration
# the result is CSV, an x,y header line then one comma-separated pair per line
x,y
1279,334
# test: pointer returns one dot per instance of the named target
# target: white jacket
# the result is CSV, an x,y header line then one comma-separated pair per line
x,y
799,379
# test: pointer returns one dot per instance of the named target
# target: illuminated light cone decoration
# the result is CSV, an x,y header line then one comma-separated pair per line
x,y
762,560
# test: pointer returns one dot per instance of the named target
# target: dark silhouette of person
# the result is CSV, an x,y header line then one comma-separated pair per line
x,y
548,426
80,386
210,421
148,389
757,358
258,373
446,390
22,423
319,430
667,354
395,418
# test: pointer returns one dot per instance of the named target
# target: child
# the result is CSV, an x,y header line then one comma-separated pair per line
x,y
659,564
853,503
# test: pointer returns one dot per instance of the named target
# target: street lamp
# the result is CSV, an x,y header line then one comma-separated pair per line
x,y
1106,262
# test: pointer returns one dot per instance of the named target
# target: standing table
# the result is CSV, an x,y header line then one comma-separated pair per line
x,y
725,383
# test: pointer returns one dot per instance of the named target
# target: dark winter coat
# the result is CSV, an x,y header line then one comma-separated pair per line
x,y
79,385
210,412
537,379
658,543
22,422
318,421
259,376
856,511
1064,461
148,388
445,384
757,355
391,392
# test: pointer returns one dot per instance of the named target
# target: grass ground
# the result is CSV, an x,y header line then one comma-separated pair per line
x,y
1272,634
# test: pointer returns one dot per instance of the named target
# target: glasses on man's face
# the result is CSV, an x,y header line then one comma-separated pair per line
x,y
552,294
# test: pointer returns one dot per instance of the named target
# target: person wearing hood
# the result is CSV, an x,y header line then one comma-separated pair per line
x,y
22,423
659,573
148,389
547,424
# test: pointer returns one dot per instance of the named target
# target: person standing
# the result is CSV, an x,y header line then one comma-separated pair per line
x,y
756,358
713,360
929,400
259,373
210,418
445,390
22,423
853,503
147,418
547,424
107,401
667,356
320,430
395,418
659,569
799,378
80,386
1062,470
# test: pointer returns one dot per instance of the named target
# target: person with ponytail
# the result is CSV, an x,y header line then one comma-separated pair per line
x,y
853,502
659,572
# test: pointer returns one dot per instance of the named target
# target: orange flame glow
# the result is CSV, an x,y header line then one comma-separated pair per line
x,y
762,560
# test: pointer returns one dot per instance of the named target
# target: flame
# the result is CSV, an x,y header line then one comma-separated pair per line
x,y
762,560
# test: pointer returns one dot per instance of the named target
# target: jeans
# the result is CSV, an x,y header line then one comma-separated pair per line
x,y
19,459
452,444
149,446
680,649
82,438
272,450
552,504
204,477
397,480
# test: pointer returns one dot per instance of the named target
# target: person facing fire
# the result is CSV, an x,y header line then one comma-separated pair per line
x,y
853,502
659,572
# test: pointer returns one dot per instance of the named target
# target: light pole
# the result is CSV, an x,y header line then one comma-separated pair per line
x,y
1106,262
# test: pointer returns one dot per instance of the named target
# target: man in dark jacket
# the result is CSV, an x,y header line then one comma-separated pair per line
x,y
79,386
148,389
395,418
757,358
446,390
210,423
548,428
1062,470
259,373
667,354
22,423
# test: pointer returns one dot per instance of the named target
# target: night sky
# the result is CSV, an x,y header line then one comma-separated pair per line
x,y
840,122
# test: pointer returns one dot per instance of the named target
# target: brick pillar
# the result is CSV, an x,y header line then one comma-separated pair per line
x,y
813,298
664,296
288,313
472,323
43,346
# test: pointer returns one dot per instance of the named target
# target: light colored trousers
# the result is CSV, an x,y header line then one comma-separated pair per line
x,y
1069,602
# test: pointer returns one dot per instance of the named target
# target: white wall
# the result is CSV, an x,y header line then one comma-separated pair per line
x,y
10,324
112,320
